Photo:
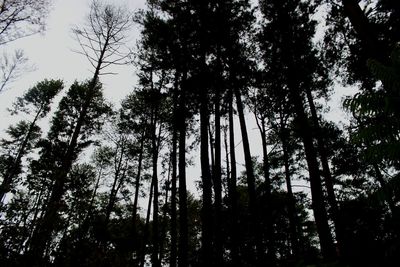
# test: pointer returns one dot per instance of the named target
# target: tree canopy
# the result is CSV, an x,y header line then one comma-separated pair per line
x,y
222,153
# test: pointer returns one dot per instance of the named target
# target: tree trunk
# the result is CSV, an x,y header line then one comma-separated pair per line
x,y
292,214
217,181
174,235
163,230
255,226
114,188
207,186
318,204
183,216
334,207
156,245
233,190
206,211
271,254
142,253
137,179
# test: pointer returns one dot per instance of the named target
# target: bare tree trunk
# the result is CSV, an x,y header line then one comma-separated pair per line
x,y
206,211
156,245
292,214
255,226
163,230
219,250
233,190
173,230
183,213
271,254
207,186
137,179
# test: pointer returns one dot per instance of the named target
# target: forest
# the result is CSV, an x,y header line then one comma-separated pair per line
x,y
87,182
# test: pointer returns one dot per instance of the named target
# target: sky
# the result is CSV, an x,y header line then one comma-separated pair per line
x,y
52,54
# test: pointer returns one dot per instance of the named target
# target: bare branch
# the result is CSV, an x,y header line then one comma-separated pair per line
x,y
12,68
21,18
103,38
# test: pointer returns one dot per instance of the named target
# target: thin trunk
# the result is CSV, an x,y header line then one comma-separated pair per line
x,y
219,249
292,214
207,185
211,138
137,190
83,228
268,191
137,179
255,226
114,189
156,246
173,230
233,190
206,212
183,213
146,227
228,168
163,230
36,208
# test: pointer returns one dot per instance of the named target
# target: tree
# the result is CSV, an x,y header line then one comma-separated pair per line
x,y
36,102
54,165
100,41
296,46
